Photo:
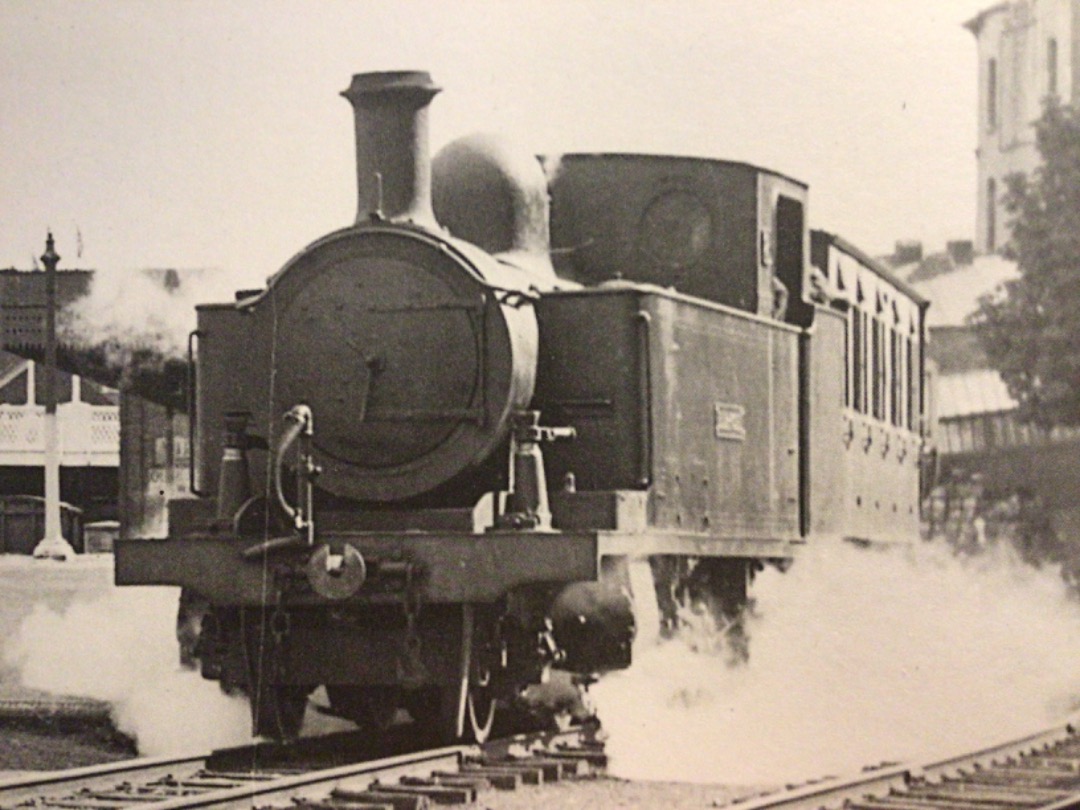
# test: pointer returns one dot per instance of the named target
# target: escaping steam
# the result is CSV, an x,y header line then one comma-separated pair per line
x,y
132,315
122,649
857,657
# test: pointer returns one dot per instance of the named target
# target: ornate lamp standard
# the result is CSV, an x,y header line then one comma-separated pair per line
x,y
52,545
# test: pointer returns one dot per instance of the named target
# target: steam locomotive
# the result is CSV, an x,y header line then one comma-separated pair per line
x,y
462,443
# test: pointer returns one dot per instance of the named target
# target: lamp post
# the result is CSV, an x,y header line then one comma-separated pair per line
x,y
52,545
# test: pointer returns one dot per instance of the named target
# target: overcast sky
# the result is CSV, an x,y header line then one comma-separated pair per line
x,y
211,134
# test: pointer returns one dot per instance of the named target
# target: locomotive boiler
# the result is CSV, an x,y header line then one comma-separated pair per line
x,y
459,444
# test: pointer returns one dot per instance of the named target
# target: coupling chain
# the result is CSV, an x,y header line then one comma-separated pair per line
x,y
411,669
412,601
280,629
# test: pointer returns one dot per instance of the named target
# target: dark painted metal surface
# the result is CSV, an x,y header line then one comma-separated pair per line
x,y
411,350
453,567
823,468
589,378
700,226
393,171
725,421
695,402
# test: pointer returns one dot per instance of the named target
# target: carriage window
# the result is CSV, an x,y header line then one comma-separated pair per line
x,y
910,376
858,360
877,375
894,378
847,360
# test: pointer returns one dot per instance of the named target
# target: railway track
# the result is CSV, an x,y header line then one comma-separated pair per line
x,y
1038,772
411,781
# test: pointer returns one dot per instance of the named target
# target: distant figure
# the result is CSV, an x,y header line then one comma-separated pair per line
x,y
820,291
779,299
979,524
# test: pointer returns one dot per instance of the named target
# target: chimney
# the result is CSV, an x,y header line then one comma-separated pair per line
x,y
393,167
961,251
908,251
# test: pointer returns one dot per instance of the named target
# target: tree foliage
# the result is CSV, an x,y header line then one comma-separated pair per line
x,y
1030,328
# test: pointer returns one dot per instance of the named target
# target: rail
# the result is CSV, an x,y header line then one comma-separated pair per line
x,y
453,774
1040,771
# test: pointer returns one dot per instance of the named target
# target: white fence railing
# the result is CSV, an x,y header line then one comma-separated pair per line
x,y
89,435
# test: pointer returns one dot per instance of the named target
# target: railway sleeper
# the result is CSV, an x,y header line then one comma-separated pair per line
x,y
1029,777
994,794
499,780
125,797
552,769
372,801
392,801
593,758
448,780
242,776
528,776
996,798
1063,763
438,794
897,803
906,800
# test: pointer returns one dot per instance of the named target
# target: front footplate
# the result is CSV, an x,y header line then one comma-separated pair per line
x,y
449,567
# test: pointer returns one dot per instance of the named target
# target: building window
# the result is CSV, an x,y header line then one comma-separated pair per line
x,y
991,94
1051,66
991,215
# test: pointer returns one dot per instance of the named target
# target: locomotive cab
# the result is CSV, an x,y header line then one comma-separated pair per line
x,y
723,231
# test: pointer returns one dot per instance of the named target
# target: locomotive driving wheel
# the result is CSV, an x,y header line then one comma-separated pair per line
x,y
277,706
465,709
478,697
480,706
277,711
373,708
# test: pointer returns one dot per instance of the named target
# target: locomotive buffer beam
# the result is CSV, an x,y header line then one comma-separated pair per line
x,y
458,567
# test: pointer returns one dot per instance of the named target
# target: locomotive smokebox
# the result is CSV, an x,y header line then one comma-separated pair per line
x,y
393,165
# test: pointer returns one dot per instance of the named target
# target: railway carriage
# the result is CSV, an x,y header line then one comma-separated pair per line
x,y
469,439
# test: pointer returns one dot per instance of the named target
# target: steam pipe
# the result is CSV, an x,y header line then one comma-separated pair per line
x,y
393,165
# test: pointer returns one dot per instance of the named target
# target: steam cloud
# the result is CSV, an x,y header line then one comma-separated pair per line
x,y
139,312
122,649
857,657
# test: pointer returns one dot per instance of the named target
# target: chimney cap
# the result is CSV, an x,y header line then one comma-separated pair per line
x,y
908,251
367,87
961,251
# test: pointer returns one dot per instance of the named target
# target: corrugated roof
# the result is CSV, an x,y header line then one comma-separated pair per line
x,y
971,392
